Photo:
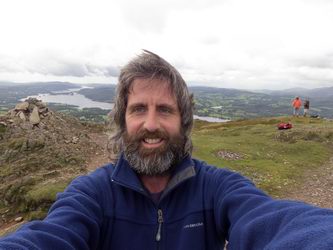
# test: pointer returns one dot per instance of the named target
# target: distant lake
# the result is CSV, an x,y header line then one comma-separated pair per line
x,y
72,99
210,119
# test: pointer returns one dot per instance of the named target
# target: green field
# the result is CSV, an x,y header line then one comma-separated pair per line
x,y
274,159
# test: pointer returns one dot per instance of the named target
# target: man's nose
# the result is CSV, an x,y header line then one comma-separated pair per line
x,y
151,122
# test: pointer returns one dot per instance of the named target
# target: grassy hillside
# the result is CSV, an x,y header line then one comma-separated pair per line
x,y
274,159
38,164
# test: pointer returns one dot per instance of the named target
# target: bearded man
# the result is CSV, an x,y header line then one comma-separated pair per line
x,y
156,196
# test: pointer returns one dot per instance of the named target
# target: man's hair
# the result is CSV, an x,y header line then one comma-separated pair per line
x,y
150,66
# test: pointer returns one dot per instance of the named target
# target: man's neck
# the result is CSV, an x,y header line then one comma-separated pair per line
x,y
155,184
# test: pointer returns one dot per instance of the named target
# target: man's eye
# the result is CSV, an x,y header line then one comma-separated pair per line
x,y
165,110
139,109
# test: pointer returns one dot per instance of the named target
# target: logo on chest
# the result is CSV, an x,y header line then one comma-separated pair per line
x,y
193,225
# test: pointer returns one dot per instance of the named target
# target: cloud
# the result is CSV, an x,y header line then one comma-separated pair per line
x,y
56,64
152,16
7,64
73,69
225,43
106,71
314,61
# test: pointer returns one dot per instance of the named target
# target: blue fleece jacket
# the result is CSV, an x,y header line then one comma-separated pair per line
x,y
201,207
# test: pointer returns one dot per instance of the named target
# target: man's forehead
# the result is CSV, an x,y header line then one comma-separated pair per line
x,y
146,84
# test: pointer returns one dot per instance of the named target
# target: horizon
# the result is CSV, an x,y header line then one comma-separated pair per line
x,y
4,83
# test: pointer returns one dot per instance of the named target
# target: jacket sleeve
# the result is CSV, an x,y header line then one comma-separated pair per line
x,y
73,221
256,221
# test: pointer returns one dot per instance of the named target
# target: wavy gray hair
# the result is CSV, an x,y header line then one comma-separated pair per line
x,y
150,66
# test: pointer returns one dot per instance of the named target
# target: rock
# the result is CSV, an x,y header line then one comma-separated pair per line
x,y
40,104
26,126
75,139
18,219
22,116
42,110
227,155
12,113
51,174
34,116
22,106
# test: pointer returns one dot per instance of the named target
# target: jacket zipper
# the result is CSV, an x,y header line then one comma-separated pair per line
x,y
160,221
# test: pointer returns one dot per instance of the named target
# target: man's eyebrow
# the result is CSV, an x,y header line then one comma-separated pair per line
x,y
168,105
136,104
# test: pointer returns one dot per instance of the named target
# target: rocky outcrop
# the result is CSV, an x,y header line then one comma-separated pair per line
x,y
41,151
31,110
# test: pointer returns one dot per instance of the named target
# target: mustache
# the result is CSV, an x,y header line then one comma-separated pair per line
x,y
144,133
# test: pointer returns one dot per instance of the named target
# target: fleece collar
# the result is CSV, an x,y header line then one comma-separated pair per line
x,y
125,175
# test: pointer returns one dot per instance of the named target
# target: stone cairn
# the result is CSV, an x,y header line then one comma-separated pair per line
x,y
31,110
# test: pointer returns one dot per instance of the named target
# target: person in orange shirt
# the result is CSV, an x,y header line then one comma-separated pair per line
x,y
297,103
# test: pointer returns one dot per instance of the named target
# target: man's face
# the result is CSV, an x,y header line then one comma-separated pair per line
x,y
153,140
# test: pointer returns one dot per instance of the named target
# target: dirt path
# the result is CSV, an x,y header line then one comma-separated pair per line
x,y
317,188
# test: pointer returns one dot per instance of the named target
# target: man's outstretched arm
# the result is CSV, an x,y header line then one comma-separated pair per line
x,y
256,221
73,221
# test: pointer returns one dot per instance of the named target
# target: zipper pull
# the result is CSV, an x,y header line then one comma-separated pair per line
x,y
160,221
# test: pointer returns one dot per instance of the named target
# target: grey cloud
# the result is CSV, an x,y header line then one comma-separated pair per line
x,y
323,61
112,71
58,68
105,71
61,67
4,67
69,69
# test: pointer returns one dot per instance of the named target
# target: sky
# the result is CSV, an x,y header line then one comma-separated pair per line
x,y
242,44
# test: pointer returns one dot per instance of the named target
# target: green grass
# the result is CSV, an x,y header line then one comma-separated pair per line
x,y
3,111
273,159
42,195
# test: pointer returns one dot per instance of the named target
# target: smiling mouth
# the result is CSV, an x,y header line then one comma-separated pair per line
x,y
152,141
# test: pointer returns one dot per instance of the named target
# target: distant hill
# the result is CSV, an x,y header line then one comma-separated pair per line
x,y
322,93
214,102
238,104
321,99
101,93
39,86
11,93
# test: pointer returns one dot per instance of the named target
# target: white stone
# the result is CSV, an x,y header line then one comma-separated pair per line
x,y
34,116
22,106
19,219
22,116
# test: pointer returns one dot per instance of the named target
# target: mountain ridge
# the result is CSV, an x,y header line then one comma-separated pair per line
x,y
234,103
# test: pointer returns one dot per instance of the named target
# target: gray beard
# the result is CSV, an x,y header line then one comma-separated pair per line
x,y
153,162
